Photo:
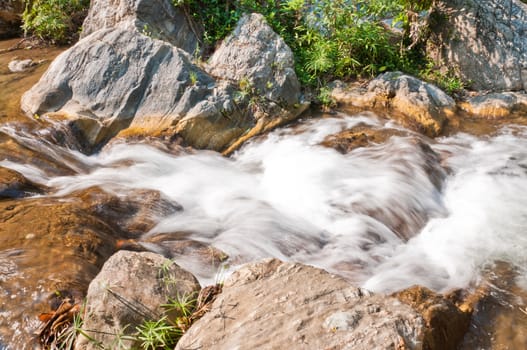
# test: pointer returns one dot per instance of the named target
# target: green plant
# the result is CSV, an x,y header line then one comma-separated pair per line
x,y
158,334
55,20
182,304
330,39
193,77
66,339
448,81
324,97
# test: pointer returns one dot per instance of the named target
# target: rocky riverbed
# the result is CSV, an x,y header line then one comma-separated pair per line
x,y
397,222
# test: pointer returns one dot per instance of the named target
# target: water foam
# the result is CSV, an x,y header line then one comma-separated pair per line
x,y
288,197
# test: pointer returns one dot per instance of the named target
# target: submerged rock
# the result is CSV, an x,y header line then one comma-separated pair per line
x,y
131,288
419,105
277,305
120,77
360,136
15,185
17,66
496,105
499,315
51,245
484,40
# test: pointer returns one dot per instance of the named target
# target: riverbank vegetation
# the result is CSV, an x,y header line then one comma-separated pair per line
x,y
58,21
341,39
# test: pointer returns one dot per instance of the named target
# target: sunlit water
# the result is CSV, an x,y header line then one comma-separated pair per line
x,y
386,216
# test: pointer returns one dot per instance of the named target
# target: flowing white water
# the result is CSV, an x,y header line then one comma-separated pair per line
x,y
288,197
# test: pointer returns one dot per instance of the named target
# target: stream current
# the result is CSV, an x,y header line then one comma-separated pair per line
x,y
438,213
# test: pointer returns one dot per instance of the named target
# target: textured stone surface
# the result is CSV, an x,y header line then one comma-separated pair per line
x,y
484,40
277,305
446,324
131,288
496,105
417,104
156,18
119,78
256,53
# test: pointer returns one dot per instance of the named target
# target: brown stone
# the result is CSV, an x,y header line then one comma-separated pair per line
x,y
496,105
132,288
15,185
415,103
360,136
52,245
276,305
446,324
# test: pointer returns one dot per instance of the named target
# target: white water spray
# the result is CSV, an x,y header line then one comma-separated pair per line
x,y
288,197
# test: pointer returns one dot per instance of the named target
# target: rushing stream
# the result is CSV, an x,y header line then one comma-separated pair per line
x,y
378,214
411,210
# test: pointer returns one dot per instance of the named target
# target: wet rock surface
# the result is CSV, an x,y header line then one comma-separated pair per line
x,y
361,136
446,323
15,185
419,105
484,41
17,66
131,288
277,305
496,105
57,244
499,313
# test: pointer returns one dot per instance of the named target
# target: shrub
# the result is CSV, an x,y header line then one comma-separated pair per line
x,y
330,39
54,20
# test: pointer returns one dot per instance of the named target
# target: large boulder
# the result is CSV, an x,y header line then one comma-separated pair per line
x,y
156,18
10,18
484,40
119,78
277,305
255,53
132,288
415,103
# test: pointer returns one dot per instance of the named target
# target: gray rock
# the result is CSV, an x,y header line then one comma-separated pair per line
x,y
118,78
416,103
10,19
156,18
131,288
277,305
484,40
496,105
255,53
17,66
